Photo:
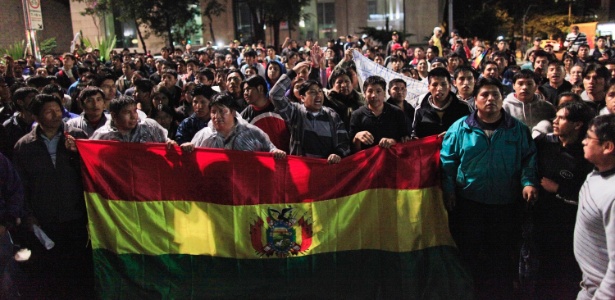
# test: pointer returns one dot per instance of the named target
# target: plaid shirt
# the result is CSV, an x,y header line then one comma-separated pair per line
x,y
313,135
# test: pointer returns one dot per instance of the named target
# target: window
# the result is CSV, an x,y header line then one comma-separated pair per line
x,y
243,21
372,7
126,34
326,20
378,11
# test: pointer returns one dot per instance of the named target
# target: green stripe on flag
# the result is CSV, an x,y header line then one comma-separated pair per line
x,y
432,273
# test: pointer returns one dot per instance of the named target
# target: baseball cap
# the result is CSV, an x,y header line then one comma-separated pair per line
x,y
441,60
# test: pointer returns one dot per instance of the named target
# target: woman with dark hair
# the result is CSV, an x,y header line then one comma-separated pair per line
x,y
569,60
140,65
422,67
342,97
227,130
576,74
291,59
293,94
167,118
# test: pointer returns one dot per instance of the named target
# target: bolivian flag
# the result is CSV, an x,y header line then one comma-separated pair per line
x,y
229,224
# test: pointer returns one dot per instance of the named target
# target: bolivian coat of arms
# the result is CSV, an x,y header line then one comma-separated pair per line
x,y
285,233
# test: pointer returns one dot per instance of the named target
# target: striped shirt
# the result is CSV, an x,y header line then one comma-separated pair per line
x,y
311,134
594,236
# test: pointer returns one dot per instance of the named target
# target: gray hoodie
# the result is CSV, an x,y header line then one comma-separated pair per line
x,y
530,113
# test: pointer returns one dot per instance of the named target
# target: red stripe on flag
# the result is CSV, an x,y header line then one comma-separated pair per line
x,y
150,172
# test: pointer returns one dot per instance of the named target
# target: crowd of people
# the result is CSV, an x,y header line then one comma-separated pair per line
x,y
519,141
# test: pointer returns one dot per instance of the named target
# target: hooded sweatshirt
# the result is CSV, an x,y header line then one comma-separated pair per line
x,y
530,113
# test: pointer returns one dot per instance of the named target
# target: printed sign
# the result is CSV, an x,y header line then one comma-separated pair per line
x,y
35,15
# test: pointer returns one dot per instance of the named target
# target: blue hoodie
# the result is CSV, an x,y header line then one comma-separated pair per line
x,y
282,71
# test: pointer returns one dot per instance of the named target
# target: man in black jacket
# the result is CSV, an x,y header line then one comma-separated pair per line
x,y
555,84
562,169
49,168
440,108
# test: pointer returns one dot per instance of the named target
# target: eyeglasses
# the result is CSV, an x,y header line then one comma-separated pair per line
x,y
587,137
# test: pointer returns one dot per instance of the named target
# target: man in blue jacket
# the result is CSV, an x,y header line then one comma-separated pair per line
x,y
489,164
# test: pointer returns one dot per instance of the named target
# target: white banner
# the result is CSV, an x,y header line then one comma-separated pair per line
x,y
367,68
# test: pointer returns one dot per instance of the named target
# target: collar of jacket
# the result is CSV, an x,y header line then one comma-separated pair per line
x,y
472,120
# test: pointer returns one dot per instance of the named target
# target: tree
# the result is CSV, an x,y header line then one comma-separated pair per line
x,y
547,17
162,17
272,13
284,10
167,16
470,20
126,11
130,11
213,8
551,26
258,10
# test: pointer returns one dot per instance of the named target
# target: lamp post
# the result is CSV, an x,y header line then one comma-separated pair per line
x,y
450,17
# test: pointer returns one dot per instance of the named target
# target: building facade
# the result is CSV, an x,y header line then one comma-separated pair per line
x,y
328,19
56,23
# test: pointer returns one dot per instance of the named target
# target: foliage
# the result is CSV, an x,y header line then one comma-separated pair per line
x,y
183,33
47,46
105,45
473,24
552,26
16,50
130,11
272,13
167,16
170,19
125,11
284,10
383,36
542,17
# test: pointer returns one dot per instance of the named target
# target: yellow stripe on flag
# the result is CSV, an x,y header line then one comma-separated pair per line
x,y
380,219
